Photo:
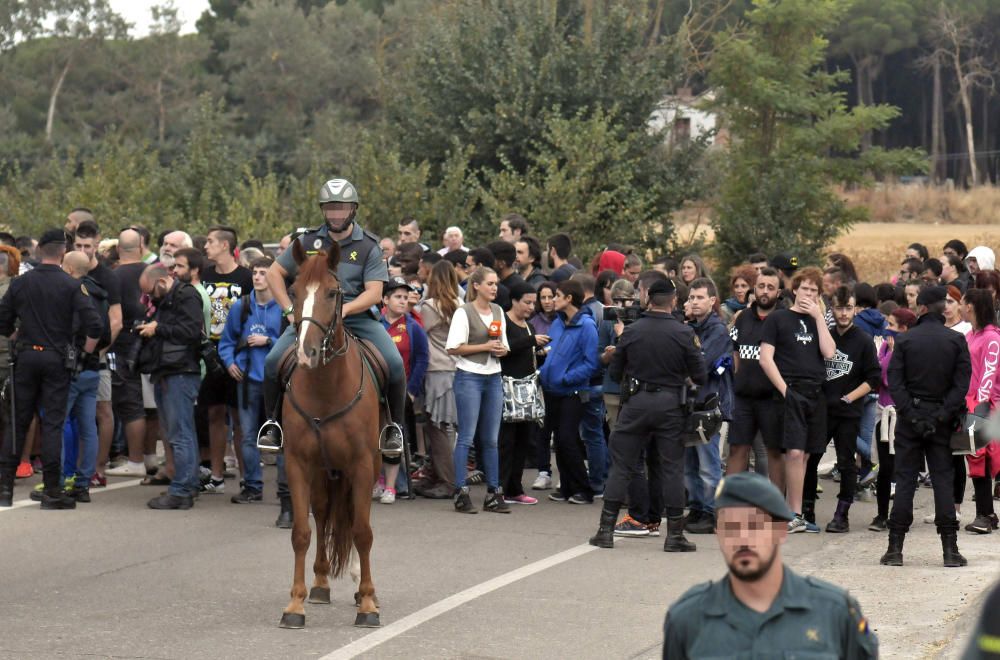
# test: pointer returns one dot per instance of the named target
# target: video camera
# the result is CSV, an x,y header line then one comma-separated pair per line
x,y
628,312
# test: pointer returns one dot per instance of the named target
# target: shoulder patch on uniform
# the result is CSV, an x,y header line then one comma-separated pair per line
x,y
83,288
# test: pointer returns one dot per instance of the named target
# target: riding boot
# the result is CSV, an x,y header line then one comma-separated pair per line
x,y
269,436
605,536
949,544
391,439
284,520
676,541
894,554
7,487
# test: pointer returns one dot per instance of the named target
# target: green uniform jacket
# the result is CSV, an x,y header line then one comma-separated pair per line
x,y
810,618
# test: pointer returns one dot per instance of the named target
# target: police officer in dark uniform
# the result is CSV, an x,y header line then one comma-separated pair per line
x,y
928,378
44,301
362,273
656,355
762,608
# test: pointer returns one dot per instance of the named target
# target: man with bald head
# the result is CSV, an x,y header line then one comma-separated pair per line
x,y
81,403
126,391
175,333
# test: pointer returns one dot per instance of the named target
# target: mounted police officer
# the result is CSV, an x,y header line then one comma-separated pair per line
x,y
44,301
362,273
656,355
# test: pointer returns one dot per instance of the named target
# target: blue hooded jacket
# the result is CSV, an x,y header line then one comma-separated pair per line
x,y
871,321
262,320
572,363
717,347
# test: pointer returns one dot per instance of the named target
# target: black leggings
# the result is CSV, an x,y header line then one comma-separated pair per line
x,y
983,488
886,467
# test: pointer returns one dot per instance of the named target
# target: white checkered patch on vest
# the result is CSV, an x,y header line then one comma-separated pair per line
x,y
749,352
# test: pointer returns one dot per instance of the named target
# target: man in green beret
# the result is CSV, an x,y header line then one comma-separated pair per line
x,y
762,608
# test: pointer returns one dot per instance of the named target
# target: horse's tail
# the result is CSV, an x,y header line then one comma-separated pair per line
x,y
339,525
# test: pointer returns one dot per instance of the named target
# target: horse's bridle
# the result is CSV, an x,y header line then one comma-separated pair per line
x,y
327,352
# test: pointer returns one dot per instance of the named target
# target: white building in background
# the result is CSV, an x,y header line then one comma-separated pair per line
x,y
683,118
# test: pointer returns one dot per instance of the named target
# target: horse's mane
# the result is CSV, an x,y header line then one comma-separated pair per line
x,y
314,269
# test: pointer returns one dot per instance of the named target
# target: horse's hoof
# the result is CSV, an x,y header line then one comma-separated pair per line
x,y
367,620
292,620
320,595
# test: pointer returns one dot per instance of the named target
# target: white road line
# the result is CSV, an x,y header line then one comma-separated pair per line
x,y
370,641
20,504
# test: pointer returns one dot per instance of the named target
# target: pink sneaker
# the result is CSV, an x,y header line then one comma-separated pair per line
x,y
520,499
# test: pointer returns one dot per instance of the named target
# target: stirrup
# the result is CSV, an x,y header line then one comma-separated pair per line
x,y
390,441
269,437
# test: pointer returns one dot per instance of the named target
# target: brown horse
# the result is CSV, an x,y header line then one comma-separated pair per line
x,y
332,419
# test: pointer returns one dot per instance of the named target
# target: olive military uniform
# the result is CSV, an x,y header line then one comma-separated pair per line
x,y
360,262
809,617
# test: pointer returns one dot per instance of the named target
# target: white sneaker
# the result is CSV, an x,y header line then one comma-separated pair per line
x,y
542,482
796,525
378,490
388,496
129,469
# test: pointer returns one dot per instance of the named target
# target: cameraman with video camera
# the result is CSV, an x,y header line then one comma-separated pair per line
x,y
654,359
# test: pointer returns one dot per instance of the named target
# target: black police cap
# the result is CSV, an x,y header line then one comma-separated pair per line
x,y
931,294
660,287
52,236
752,489
785,261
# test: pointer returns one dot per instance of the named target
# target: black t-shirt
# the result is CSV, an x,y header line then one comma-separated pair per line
x,y
109,282
750,380
223,291
131,300
796,346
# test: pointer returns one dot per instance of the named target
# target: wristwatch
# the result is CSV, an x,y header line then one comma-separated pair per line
x,y
288,310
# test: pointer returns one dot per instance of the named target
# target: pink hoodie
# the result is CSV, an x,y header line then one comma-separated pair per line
x,y
984,349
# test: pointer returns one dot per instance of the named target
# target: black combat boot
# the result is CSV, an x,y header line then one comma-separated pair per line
x,y
284,520
675,541
605,536
949,544
57,499
6,488
894,554
840,524
391,439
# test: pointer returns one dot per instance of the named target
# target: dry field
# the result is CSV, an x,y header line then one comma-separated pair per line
x,y
877,248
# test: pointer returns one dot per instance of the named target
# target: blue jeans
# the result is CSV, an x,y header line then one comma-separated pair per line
x,y
250,408
592,434
81,408
175,399
702,473
479,400
867,431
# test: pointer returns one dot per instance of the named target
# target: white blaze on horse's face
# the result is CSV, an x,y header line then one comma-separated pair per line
x,y
307,312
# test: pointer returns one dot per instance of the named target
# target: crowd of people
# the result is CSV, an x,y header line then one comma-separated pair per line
x,y
509,358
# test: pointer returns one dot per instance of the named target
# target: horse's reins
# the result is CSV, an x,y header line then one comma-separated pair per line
x,y
325,357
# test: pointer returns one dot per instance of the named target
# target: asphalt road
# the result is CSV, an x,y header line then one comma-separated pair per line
x,y
114,579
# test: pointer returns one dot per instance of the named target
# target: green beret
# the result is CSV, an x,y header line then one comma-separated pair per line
x,y
752,489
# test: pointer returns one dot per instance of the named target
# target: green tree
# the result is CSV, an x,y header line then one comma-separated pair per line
x,y
793,136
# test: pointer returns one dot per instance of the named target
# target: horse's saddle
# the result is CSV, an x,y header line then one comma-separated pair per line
x,y
370,355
